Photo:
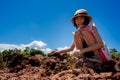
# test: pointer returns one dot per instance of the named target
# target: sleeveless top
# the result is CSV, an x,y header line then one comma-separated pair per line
x,y
103,52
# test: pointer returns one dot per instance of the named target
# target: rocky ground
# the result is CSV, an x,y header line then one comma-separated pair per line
x,y
58,67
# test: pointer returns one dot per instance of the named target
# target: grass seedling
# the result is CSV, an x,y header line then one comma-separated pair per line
x,y
70,61
1,61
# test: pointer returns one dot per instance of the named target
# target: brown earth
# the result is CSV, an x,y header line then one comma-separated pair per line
x,y
58,67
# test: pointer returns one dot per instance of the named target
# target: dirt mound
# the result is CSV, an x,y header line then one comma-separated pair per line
x,y
57,67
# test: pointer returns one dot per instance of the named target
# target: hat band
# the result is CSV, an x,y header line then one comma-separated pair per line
x,y
81,14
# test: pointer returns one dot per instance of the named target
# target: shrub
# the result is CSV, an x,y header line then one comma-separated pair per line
x,y
115,54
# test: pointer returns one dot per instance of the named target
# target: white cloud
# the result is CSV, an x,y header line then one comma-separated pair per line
x,y
46,50
34,44
60,48
8,46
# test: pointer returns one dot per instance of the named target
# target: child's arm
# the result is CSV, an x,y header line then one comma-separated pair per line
x,y
64,50
97,45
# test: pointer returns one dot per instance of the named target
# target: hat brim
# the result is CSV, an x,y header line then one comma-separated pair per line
x,y
72,20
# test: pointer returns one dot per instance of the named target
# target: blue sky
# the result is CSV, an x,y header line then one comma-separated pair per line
x,y
49,21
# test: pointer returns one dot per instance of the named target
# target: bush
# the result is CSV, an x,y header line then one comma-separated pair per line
x,y
36,51
115,54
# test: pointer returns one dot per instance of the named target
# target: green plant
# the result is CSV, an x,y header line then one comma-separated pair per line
x,y
70,61
1,61
115,54
31,51
112,50
36,51
25,53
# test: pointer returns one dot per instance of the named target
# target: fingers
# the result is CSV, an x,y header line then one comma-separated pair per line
x,y
77,53
55,52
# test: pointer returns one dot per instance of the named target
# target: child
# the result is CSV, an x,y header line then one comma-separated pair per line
x,y
87,40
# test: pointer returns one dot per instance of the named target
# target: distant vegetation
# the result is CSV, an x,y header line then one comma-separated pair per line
x,y
114,53
31,51
26,51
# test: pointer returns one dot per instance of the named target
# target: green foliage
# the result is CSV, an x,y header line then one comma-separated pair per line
x,y
7,52
115,54
31,51
2,64
26,51
11,51
36,51
113,50
70,61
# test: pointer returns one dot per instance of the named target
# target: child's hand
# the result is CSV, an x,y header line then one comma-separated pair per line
x,y
77,53
55,52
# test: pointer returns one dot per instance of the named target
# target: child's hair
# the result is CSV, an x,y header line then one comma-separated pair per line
x,y
86,22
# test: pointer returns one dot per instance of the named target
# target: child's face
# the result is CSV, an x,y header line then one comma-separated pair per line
x,y
79,20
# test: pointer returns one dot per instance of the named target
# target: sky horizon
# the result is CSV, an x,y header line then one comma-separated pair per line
x,y
49,22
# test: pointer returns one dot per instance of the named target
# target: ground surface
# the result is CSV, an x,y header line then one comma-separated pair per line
x,y
58,67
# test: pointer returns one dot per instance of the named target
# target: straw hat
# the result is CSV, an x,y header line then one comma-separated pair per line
x,y
81,12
